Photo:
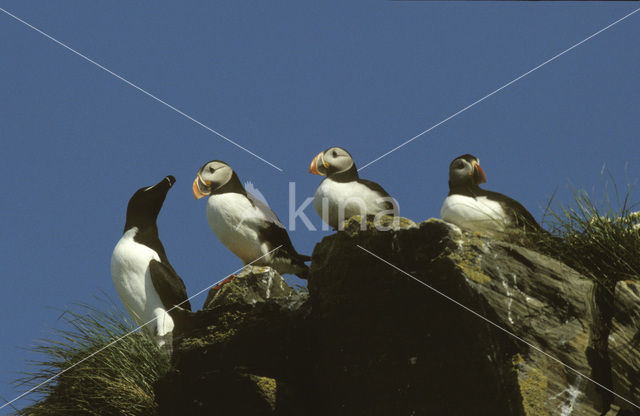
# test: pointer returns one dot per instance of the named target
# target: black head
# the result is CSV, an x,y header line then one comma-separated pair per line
x,y
144,206
332,161
465,170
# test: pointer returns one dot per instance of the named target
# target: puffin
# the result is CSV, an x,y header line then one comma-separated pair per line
x,y
245,224
149,287
471,207
342,194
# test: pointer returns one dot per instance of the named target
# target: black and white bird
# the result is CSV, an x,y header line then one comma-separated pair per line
x,y
245,224
477,209
146,283
342,194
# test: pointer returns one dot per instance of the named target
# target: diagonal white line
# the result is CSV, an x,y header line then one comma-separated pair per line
x,y
499,89
127,334
141,90
496,325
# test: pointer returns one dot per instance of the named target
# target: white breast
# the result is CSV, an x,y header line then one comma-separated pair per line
x,y
132,279
474,213
235,221
336,201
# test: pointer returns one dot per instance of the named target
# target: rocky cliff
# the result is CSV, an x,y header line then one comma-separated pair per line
x,y
375,338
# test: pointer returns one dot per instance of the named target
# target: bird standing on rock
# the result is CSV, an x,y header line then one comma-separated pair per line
x,y
245,224
477,209
148,286
342,194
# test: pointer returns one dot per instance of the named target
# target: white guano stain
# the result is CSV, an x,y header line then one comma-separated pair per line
x,y
269,283
509,293
572,393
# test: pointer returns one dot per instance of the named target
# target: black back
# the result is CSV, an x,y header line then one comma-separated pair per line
x,y
517,213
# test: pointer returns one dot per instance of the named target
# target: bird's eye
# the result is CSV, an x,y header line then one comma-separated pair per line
x,y
334,153
211,169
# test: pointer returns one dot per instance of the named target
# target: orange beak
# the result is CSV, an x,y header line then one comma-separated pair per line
x,y
313,167
196,188
478,174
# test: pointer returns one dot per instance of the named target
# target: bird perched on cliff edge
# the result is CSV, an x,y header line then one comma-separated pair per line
x,y
144,279
474,208
342,194
245,224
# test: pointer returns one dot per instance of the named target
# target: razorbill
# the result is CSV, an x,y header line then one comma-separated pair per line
x,y
474,208
245,224
145,281
342,194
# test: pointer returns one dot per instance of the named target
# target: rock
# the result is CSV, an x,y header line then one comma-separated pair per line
x,y
222,392
243,334
464,324
357,223
624,344
254,285
382,335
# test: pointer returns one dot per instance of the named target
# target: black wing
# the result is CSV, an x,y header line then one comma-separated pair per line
x,y
169,285
278,236
518,213
274,232
388,205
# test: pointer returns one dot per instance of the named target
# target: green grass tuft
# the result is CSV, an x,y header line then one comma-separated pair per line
x,y
118,380
601,243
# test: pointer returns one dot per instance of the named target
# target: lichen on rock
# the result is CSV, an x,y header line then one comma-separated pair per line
x,y
368,339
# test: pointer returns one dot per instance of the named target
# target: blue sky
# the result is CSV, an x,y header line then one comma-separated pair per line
x,y
285,80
